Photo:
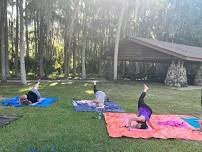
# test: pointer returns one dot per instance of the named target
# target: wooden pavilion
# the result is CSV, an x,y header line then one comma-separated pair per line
x,y
159,52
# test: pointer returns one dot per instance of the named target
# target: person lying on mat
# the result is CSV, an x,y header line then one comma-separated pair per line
x,y
144,112
32,96
99,96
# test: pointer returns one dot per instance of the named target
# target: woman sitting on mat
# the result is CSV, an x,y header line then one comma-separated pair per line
x,y
100,96
32,96
144,113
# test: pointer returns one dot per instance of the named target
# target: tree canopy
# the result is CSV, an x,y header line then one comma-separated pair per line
x,y
67,38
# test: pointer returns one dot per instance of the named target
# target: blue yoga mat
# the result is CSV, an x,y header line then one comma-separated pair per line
x,y
110,106
193,122
14,102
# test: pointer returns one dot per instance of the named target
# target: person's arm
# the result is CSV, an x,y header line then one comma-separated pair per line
x,y
26,102
29,102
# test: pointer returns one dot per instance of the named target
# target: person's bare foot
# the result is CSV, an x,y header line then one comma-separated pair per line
x,y
146,88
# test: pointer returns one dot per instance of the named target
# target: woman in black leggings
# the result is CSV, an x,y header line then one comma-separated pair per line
x,y
144,112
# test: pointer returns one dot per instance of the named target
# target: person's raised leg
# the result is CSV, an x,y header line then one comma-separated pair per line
x,y
143,94
36,86
146,88
94,87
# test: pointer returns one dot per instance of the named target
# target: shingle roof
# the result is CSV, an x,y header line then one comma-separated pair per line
x,y
185,52
182,51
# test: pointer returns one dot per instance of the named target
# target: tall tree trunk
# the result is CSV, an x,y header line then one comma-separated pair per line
x,y
117,39
3,55
6,39
101,60
136,16
11,38
36,34
74,57
27,32
102,47
83,58
95,61
70,33
16,39
83,49
41,47
66,69
22,45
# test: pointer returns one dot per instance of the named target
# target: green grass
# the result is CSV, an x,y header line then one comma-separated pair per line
x,y
60,128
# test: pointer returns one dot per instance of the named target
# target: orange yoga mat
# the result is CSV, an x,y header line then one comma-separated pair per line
x,y
116,123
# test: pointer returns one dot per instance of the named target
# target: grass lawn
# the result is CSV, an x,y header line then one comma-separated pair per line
x,y
59,128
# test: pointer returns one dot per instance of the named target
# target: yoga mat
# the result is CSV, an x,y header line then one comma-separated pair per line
x,y
193,122
84,106
6,119
115,123
43,102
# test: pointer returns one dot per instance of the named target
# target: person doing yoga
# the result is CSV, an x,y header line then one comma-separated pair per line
x,y
100,96
144,112
32,96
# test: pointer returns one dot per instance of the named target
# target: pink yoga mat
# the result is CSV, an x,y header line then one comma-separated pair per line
x,y
116,121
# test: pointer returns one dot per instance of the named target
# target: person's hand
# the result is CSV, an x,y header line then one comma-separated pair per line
x,y
26,102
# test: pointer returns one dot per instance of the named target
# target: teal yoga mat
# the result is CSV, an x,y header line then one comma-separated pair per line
x,y
192,121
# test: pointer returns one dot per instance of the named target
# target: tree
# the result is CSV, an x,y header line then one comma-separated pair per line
x,y
56,30
17,39
6,39
3,24
70,33
118,38
27,30
22,45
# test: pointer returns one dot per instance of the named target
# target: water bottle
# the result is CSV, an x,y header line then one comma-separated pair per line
x,y
99,115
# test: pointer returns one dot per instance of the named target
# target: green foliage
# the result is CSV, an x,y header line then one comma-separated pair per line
x,y
96,22
48,66
192,69
31,65
58,57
